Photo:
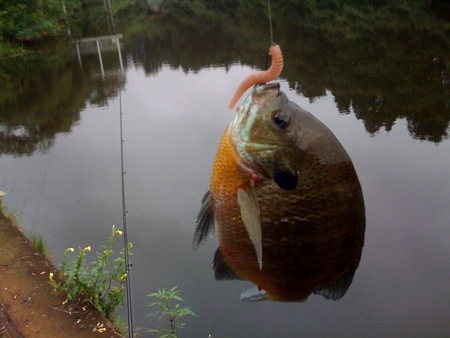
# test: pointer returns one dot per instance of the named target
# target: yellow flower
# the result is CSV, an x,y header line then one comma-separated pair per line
x,y
70,249
88,248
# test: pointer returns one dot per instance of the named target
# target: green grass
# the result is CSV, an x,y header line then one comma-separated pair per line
x,y
39,244
10,214
36,240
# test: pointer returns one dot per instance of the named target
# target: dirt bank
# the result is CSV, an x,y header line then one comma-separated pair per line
x,y
28,307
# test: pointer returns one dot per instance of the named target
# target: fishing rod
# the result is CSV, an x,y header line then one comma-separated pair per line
x,y
126,244
125,230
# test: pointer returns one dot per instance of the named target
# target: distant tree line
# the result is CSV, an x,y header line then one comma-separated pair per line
x,y
28,22
381,64
230,5
25,23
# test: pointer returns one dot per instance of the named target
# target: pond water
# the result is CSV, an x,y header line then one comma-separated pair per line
x,y
60,165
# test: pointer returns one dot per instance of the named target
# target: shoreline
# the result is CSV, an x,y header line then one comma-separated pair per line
x,y
29,306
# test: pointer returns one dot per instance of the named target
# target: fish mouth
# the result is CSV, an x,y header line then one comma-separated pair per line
x,y
269,86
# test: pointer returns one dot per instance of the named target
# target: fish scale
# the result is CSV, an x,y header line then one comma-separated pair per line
x,y
227,177
312,233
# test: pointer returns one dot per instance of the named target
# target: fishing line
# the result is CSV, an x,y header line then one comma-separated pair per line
x,y
125,230
271,33
270,21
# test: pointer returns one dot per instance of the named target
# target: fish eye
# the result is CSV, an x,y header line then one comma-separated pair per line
x,y
280,120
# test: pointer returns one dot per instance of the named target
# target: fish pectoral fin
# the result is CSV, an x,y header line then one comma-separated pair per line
x,y
254,294
252,219
221,269
204,222
337,288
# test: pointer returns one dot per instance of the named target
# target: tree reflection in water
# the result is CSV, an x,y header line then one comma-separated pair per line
x,y
376,61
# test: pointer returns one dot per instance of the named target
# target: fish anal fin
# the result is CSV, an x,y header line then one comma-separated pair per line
x,y
204,222
337,288
251,217
221,269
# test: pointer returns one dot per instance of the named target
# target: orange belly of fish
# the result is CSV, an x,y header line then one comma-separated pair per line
x,y
278,277
227,177
306,239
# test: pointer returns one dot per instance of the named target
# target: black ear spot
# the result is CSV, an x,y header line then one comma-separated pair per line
x,y
280,120
286,180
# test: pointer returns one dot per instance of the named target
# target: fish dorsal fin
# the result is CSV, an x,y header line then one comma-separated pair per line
x,y
221,269
252,220
337,288
204,222
254,294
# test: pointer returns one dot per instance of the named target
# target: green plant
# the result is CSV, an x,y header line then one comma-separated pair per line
x,y
39,244
121,325
103,284
170,310
10,214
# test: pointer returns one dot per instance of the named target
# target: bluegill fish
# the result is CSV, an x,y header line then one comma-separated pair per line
x,y
286,202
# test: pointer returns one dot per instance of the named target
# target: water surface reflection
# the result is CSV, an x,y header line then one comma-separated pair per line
x,y
174,101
